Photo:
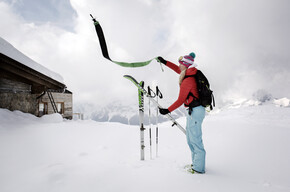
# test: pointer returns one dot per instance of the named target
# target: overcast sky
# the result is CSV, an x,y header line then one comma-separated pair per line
x,y
241,45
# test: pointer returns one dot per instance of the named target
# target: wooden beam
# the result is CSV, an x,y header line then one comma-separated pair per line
x,y
19,72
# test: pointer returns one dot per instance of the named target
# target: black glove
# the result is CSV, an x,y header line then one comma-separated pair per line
x,y
161,60
163,111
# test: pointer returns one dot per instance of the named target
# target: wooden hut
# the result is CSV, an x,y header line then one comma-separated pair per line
x,y
29,87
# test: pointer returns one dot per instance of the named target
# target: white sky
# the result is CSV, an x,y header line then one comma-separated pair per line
x,y
241,45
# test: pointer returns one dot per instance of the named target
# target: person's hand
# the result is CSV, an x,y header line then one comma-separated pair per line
x,y
161,60
163,111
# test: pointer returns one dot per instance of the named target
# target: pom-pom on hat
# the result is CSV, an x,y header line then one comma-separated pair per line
x,y
187,60
192,54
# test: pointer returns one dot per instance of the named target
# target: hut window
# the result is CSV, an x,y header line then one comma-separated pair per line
x,y
42,108
60,107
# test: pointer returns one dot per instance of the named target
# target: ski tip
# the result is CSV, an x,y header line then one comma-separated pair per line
x,y
127,76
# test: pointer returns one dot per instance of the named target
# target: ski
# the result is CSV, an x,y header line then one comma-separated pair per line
x,y
141,120
140,88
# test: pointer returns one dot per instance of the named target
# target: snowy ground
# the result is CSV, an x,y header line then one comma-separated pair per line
x,y
248,149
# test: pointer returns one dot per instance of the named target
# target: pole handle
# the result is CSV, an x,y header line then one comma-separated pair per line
x,y
158,92
151,91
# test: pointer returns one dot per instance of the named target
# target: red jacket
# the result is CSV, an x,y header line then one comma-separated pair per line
x,y
188,85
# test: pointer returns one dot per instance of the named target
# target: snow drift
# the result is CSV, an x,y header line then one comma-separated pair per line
x,y
247,150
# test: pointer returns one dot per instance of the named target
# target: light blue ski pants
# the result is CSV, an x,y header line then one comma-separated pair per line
x,y
194,138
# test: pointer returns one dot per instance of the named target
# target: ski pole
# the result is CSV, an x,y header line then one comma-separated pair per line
x,y
159,95
157,123
150,135
149,93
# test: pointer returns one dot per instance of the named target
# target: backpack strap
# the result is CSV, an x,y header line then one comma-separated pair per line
x,y
191,94
189,76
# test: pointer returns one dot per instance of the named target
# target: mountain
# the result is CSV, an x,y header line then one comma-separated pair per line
x,y
126,113
122,113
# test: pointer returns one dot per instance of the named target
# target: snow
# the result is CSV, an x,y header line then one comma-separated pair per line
x,y
282,102
10,51
247,150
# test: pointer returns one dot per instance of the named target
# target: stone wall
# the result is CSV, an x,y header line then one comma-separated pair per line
x,y
25,102
17,96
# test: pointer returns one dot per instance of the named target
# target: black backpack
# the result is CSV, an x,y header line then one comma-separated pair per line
x,y
206,97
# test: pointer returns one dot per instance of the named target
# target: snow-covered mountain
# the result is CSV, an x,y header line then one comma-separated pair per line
x,y
122,113
128,114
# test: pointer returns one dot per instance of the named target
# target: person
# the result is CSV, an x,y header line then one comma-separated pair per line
x,y
188,95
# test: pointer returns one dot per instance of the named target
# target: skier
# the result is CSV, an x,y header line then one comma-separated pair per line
x,y
188,93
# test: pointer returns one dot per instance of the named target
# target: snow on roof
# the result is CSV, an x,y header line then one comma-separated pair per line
x,y
7,49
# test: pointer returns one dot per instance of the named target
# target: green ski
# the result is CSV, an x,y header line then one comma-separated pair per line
x,y
141,120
